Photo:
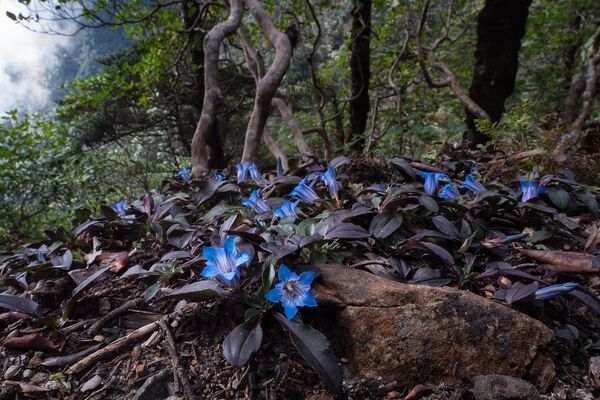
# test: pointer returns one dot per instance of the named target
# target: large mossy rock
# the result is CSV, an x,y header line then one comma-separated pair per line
x,y
420,334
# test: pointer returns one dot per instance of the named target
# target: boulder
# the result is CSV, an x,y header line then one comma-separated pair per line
x,y
502,387
420,334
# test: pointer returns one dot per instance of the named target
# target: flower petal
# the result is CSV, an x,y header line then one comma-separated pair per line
x,y
307,277
290,311
274,295
285,274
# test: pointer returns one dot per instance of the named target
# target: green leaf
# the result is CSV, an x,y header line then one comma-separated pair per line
x,y
559,197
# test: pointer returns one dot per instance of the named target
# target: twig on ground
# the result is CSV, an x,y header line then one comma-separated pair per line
x,y
179,375
99,324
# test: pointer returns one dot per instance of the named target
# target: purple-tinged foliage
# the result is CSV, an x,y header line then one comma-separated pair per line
x,y
292,291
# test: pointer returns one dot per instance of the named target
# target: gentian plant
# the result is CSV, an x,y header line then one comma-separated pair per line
x,y
256,203
185,174
305,192
431,180
120,207
224,263
449,192
530,189
287,210
292,291
243,169
473,185
552,291
329,179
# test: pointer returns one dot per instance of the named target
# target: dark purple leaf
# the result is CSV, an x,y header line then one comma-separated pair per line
x,y
79,289
430,277
20,304
383,225
206,190
445,226
404,167
588,300
242,341
249,236
429,203
315,349
519,291
439,251
339,161
346,230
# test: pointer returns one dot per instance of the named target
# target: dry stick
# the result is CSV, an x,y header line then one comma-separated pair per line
x,y
212,93
94,329
563,261
267,84
123,342
591,77
178,373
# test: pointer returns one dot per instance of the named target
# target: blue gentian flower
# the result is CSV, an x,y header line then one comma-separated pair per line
x,y
287,209
449,192
552,291
185,174
328,177
279,167
216,176
305,192
431,180
256,203
41,253
471,184
223,263
120,207
530,190
243,169
292,291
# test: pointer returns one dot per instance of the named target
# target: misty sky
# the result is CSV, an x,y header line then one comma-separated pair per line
x,y
25,56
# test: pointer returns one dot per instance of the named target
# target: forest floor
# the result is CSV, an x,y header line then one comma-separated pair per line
x,y
116,345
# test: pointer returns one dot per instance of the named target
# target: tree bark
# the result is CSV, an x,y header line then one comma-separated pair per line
x,y
288,116
212,93
267,85
360,61
275,149
500,28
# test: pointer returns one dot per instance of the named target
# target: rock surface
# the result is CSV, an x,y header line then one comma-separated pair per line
x,y
502,387
420,334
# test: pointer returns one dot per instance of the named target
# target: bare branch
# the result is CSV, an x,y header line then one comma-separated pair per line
x,y
573,135
268,84
212,93
449,79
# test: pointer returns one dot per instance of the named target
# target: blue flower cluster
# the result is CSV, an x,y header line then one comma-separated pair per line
x,y
530,189
304,191
552,291
185,174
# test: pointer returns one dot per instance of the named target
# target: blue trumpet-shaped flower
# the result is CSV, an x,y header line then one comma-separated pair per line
x,y
255,202
287,209
243,169
471,184
530,190
185,174
328,177
216,176
120,207
223,263
552,291
431,180
292,291
305,192
449,192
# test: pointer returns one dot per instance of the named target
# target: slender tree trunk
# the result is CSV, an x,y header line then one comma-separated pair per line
x,y
360,61
500,28
267,85
212,93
